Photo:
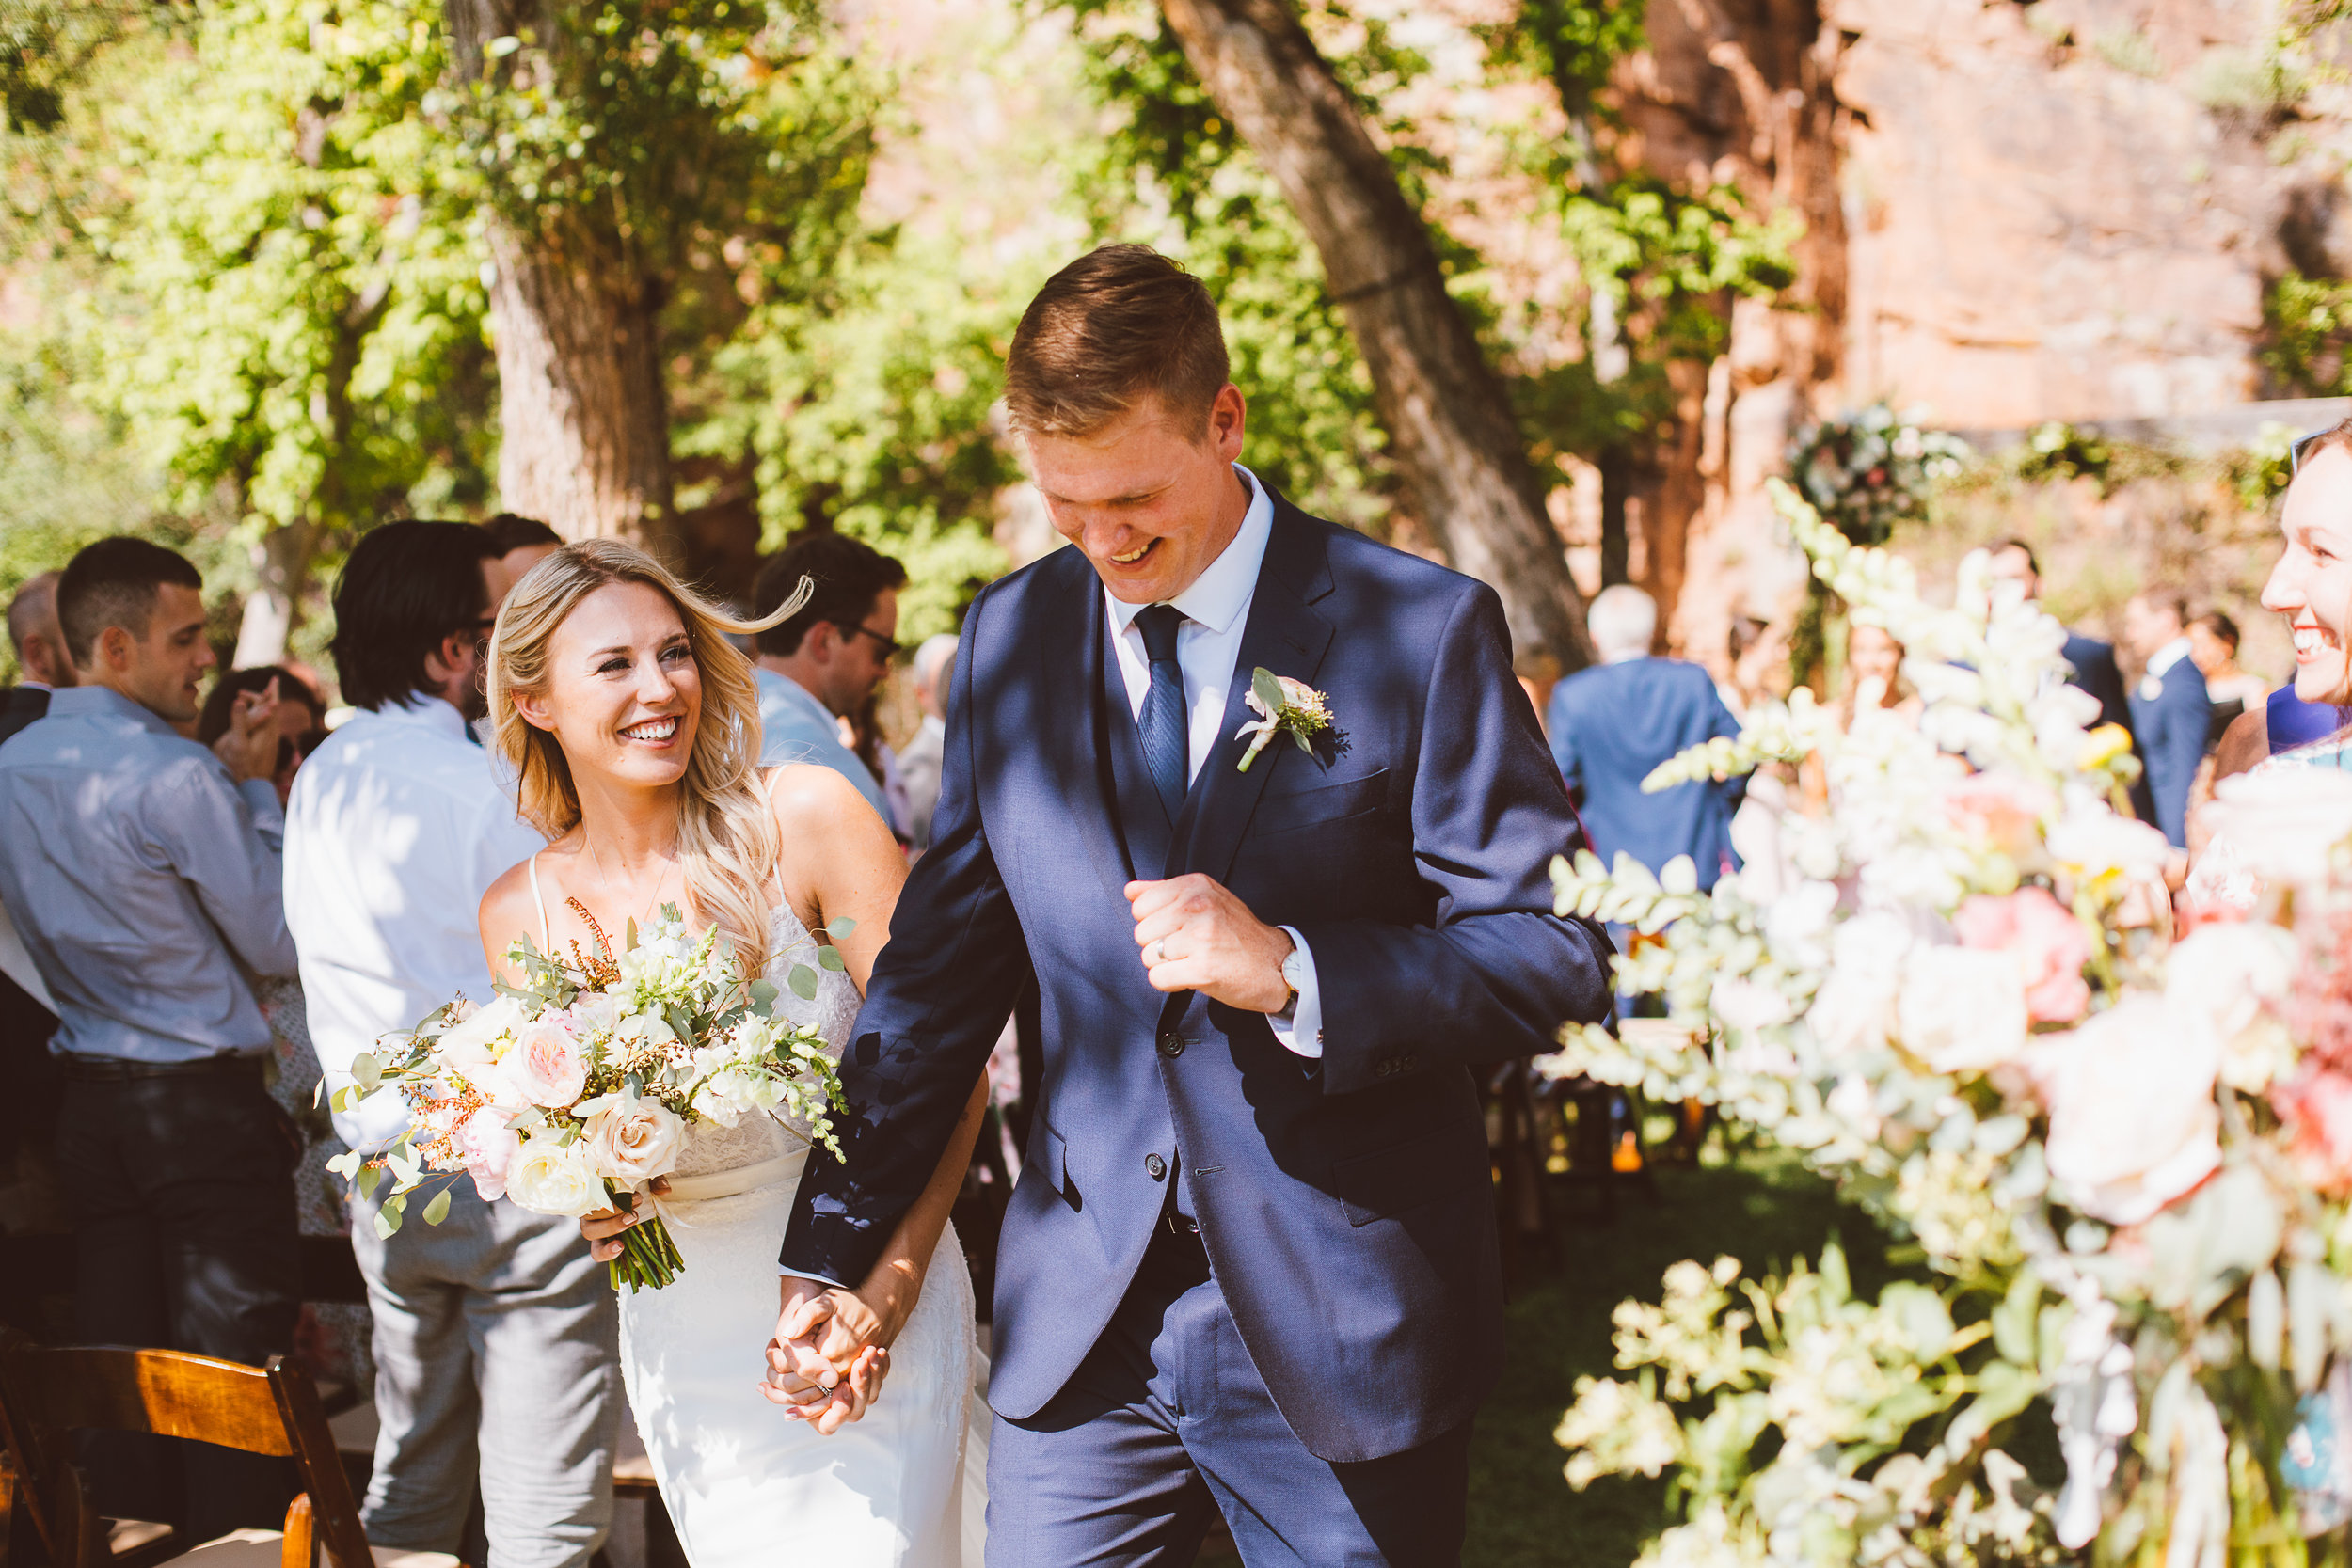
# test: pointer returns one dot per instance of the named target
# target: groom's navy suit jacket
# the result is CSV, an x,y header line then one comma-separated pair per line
x,y
1344,1203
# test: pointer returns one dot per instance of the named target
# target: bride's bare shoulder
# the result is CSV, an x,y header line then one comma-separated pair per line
x,y
810,798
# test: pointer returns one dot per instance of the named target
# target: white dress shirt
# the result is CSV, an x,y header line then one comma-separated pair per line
x,y
2159,664
396,828
1208,643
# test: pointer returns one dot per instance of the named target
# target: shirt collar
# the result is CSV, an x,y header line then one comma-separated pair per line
x,y
96,702
1220,594
425,712
791,689
2167,656
37,685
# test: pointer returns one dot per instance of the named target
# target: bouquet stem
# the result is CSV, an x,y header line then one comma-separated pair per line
x,y
649,1259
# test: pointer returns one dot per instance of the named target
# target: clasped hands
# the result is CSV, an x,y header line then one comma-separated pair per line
x,y
832,1346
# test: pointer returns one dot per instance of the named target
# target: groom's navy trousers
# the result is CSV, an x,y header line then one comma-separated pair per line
x,y
1351,1321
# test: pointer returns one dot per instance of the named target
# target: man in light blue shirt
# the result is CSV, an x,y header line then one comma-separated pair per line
x,y
142,870
821,666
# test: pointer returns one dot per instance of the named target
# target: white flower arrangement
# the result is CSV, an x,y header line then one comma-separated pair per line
x,y
573,1092
2124,1158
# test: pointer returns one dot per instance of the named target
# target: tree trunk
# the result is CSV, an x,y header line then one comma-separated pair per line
x,y
283,561
1449,426
584,418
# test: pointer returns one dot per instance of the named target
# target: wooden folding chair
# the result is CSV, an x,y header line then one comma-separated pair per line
x,y
50,1393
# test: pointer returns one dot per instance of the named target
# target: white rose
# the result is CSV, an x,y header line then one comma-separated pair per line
x,y
1961,1009
1854,1009
1743,1005
468,1042
2133,1123
2283,821
2231,973
594,1012
548,1177
634,1140
2093,840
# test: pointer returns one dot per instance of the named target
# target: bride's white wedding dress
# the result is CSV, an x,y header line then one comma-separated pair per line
x,y
905,1487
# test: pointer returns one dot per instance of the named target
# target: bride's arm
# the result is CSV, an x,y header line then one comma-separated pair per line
x,y
840,860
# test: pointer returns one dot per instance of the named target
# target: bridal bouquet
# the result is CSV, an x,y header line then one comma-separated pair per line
x,y
2122,1151
572,1092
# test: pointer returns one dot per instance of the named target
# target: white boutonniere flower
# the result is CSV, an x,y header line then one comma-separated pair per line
x,y
1283,707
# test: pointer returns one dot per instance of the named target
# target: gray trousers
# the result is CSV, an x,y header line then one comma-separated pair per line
x,y
496,1354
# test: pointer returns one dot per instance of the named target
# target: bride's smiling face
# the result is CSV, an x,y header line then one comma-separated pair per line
x,y
622,691
2311,585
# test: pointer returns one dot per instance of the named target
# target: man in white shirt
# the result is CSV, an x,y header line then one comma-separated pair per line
x,y
818,668
495,1331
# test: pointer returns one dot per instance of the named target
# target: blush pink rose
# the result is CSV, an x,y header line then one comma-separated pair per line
x,y
487,1148
2317,1107
2000,810
545,1064
2133,1122
2048,943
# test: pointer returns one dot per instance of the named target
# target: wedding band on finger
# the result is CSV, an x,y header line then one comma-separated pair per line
x,y
1155,955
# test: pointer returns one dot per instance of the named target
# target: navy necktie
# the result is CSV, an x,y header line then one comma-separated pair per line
x,y
1165,748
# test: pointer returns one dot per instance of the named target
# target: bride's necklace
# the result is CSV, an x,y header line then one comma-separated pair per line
x,y
604,882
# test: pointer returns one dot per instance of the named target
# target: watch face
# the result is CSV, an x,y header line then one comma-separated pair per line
x,y
1294,969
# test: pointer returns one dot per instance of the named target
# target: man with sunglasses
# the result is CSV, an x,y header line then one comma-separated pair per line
x,y
494,1330
819,667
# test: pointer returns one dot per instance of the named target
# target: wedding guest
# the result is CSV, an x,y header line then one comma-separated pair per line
x,y
495,1331
2213,644
1874,675
818,668
40,656
934,664
301,717
144,872
1614,723
2171,712
2091,660
521,543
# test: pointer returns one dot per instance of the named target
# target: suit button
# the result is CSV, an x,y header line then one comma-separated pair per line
x,y
1153,1166
1171,1045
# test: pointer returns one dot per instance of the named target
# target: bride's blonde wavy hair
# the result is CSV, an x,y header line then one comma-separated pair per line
x,y
727,843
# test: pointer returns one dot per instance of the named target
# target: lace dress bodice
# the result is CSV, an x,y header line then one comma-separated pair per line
x,y
711,1148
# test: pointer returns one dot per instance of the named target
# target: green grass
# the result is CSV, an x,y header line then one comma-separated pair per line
x,y
1763,1209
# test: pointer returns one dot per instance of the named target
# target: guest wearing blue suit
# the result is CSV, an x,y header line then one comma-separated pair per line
x,y
2091,660
1614,723
2171,712
1250,1265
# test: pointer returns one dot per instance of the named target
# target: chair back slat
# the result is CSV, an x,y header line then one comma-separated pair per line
x,y
272,1410
170,1393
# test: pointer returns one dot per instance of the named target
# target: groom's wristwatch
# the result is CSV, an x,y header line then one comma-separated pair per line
x,y
1294,975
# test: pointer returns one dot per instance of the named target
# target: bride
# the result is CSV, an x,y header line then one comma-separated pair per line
x,y
633,726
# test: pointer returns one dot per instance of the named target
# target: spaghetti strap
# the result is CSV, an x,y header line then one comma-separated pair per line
x,y
768,793
539,903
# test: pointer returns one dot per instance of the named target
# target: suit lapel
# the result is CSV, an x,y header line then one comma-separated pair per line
x,y
1076,752
1286,636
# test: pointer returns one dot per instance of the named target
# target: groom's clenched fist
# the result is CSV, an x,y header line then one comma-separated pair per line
x,y
1195,935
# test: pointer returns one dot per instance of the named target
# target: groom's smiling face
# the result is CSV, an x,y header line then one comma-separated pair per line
x,y
1151,498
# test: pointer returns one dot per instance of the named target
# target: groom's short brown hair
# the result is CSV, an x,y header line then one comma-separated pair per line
x,y
1117,325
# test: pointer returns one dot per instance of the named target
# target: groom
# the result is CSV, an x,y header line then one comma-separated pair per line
x,y
1250,1265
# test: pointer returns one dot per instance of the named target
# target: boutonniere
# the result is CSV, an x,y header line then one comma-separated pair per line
x,y
1283,707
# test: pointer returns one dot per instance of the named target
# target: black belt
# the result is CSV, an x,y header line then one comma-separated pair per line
x,y
116,1070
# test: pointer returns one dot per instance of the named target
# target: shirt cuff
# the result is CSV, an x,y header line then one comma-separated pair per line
x,y
783,1273
1300,1026
262,796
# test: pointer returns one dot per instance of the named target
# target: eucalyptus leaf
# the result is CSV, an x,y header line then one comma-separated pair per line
x,y
804,982
1269,690
437,1210
831,959
371,1178
841,927
763,992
